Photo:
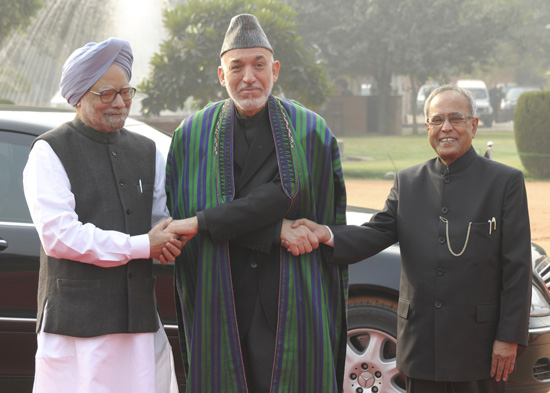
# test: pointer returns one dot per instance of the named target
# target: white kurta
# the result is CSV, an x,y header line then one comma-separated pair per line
x,y
111,363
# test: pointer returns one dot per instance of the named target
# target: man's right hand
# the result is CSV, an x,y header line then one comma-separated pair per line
x,y
164,245
320,231
169,236
297,239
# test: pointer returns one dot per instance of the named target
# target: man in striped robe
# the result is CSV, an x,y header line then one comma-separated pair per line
x,y
256,314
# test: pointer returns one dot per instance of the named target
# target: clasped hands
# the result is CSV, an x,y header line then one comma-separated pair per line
x,y
169,236
303,235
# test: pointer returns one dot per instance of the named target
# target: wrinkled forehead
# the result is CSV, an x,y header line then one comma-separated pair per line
x,y
246,55
113,78
448,102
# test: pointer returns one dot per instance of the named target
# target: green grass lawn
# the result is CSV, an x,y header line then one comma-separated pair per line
x,y
372,157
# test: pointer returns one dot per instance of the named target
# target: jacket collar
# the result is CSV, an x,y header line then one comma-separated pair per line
x,y
460,164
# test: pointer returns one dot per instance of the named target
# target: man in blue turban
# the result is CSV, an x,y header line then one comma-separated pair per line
x,y
87,64
96,196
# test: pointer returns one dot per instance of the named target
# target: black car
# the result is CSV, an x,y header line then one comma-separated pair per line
x,y
373,295
508,103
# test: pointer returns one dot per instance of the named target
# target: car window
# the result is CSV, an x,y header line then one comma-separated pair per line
x,y
14,150
479,93
513,94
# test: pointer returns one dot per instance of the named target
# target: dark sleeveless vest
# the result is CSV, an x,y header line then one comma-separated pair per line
x,y
112,178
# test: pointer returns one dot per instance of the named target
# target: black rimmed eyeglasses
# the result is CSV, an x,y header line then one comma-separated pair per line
x,y
108,96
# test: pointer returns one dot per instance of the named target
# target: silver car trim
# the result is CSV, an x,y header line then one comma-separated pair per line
x,y
6,319
33,321
17,224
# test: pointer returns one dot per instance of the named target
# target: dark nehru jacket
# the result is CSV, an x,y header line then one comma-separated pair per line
x,y
105,170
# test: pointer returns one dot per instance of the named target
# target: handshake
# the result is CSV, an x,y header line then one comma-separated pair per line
x,y
169,236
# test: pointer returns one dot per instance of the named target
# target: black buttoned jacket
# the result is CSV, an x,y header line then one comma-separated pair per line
x,y
452,308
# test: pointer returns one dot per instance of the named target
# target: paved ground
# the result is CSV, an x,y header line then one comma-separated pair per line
x,y
373,194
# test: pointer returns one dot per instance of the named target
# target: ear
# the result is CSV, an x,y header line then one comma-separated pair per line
x,y
221,76
475,123
275,68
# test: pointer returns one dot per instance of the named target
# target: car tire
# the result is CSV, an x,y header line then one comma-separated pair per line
x,y
371,347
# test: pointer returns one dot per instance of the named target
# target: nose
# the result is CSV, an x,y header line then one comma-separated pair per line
x,y
118,101
249,77
446,126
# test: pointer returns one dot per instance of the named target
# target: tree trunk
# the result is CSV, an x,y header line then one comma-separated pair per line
x,y
383,82
415,86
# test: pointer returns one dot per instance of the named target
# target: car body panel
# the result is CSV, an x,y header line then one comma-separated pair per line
x,y
479,90
509,102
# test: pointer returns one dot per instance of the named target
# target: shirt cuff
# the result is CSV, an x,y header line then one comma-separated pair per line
x,y
330,242
278,229
140,247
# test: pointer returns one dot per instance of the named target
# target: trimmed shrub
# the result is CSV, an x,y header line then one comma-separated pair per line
x,y
532,132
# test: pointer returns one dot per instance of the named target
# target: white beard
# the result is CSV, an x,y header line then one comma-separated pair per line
x,y
250,104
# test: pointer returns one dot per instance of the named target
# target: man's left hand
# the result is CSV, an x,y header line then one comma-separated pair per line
x,y
504,359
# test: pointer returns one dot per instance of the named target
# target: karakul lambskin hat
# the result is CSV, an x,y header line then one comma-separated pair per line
x,y
244,31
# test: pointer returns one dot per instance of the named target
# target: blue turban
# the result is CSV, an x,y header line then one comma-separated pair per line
x,y
86,65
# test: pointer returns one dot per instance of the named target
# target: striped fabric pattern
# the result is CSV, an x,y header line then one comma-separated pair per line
x,y
311,334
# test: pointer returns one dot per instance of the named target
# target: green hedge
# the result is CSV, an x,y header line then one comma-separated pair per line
x,y
532,132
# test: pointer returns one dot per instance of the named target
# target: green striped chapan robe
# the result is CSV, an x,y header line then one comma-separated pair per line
x,y
311,333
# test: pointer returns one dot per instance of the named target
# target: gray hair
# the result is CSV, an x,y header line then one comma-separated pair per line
x,y
466,93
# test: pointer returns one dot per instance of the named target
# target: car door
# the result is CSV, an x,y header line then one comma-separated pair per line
x,y
19,260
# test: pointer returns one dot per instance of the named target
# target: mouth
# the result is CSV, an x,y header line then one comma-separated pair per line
x,y
246,88
115,113
248,91
447,140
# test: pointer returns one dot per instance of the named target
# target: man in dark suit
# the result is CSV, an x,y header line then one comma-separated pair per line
x,y
254,317
463,227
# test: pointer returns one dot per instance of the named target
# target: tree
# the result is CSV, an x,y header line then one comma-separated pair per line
x,y
421,39
532,132
473,30
16,14
186,65
525,56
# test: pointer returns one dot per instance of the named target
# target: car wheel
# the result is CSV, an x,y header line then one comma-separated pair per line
x,y
371,347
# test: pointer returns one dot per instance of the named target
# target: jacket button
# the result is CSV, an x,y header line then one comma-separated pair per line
x,y
438,304
446,180
444,210
440,271
121,183
128,211
254,264
130,275
441,240
113,153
